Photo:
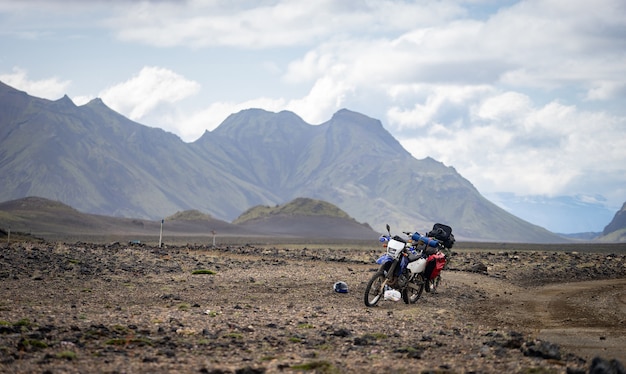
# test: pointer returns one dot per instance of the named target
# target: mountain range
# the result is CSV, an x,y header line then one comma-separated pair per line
x,y
98,161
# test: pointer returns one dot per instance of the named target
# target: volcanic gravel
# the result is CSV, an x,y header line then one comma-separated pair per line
x,y
87,308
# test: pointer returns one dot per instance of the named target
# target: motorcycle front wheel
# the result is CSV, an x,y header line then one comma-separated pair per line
x,y
410,295
374,289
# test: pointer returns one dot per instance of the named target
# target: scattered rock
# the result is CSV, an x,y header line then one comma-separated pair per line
x,y
602,366
117,308
479,268
542,349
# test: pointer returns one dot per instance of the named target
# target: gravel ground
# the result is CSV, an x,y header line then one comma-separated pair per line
x,y
83,308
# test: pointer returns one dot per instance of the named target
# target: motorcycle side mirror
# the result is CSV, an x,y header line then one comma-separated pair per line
x,y
388,230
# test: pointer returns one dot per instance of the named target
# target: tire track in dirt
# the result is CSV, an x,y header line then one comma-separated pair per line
x,y
585,318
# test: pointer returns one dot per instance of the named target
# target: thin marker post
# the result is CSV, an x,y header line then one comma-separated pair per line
x,y
161,234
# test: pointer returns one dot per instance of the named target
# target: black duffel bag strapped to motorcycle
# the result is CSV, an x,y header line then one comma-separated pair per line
x,y
443,233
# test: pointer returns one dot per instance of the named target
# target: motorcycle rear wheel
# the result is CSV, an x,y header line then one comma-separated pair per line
x,y
411,295
435,284
374,290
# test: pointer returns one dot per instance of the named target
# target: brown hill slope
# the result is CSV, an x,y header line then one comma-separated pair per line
x,y
55,221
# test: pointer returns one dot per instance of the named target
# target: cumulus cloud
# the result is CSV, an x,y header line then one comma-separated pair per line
x,y
523,97
49,88
538,150
145,92
279,23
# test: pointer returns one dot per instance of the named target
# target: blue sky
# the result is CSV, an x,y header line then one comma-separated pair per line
x,y
526,99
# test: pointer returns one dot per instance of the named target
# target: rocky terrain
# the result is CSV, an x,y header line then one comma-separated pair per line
x,y
82,308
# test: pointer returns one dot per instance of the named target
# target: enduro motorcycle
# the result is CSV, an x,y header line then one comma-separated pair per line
x,y
401,269
408,267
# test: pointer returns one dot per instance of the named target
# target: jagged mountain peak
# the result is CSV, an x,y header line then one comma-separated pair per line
x,y
97,102
65,100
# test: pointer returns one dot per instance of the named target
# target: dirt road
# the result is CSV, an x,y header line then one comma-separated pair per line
x,y
588,318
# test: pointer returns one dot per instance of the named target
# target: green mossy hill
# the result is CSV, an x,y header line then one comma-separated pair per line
x,y
189,215
299,207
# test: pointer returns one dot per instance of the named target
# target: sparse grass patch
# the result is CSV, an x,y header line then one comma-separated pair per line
x,y
306,326
142,341
67,355
25,322
318,366
120,329
32,343
116,341
203,271
378,336
184,307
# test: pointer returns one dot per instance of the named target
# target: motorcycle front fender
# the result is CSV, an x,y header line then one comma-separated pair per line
x,y
384,259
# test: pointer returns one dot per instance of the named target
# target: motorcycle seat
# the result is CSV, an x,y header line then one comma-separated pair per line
x,y
413,257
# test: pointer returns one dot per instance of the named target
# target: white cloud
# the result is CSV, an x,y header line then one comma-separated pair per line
x,y
432,103
268,24
145,92
82,99
49,88
538,150
506,106
524,98
606,90
326,97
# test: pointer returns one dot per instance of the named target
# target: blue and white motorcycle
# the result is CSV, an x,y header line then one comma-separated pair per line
x,y
401,272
